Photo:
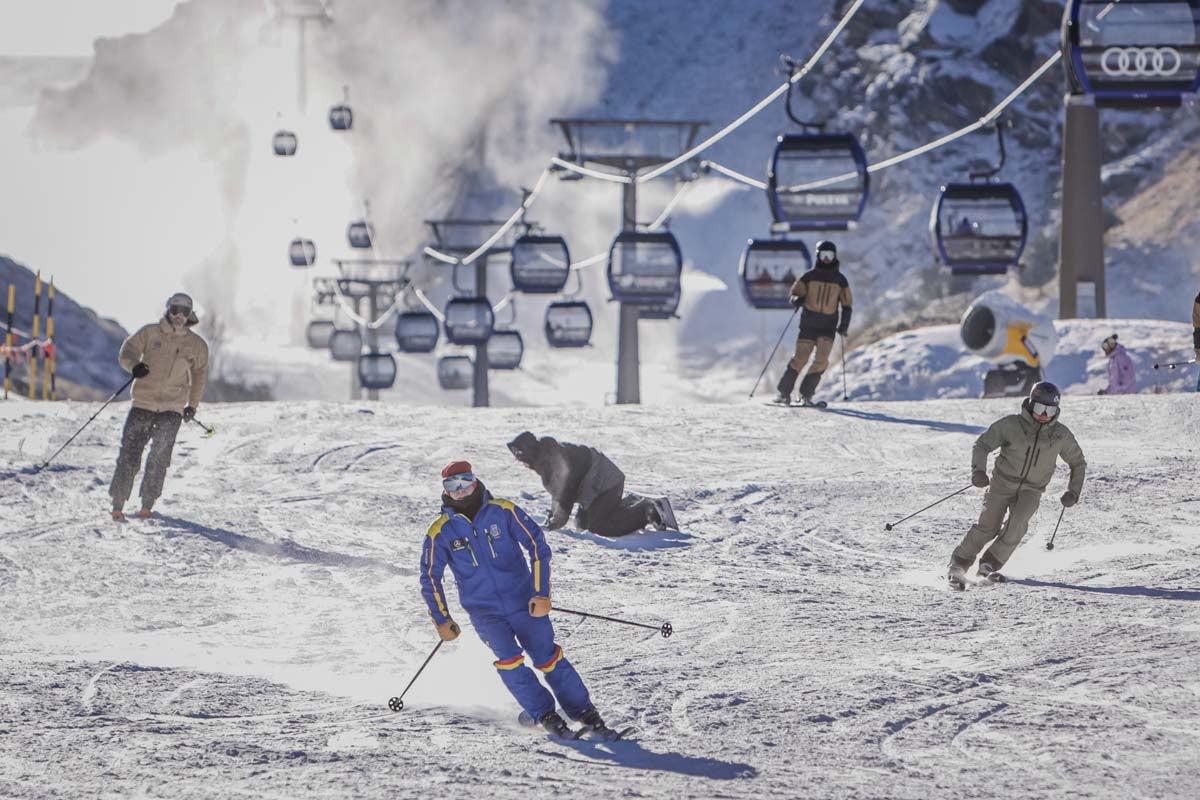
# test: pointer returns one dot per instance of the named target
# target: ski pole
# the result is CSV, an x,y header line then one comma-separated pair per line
x,y
1174,364
397,703
773,349
890,525
1050,544
84,425
208,430
845,394
665,629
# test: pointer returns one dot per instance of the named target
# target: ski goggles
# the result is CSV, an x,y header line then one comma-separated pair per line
x,y
182,310
456,483
826,256
1043,410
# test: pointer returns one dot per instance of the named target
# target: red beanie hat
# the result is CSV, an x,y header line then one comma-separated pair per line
x,y
456,468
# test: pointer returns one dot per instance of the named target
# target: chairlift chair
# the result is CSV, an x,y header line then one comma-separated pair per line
x,y
284,143
769,267
376,370
644,267
468,320
417,331
505,349
455,372
360,234
568,323
345,345
801,159
540,264
318,333
978,228
302,252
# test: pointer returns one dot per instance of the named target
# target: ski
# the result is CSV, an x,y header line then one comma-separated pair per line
x,y
801,404
527,721
601,733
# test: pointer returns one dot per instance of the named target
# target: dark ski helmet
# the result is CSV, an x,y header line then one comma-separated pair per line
x,y
1044,392
826,246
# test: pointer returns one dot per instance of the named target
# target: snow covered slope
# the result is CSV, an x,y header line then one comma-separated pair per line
x,y
245,641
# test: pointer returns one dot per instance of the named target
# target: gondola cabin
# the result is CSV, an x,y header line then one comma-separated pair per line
x,y
978,228
455,372
341,118
376,370
302,252
417,331
817,181
284,143
360,234
644,268
664,309
318,333
1133,53
540,264
568,323
768,269
345,345
469,320
505,349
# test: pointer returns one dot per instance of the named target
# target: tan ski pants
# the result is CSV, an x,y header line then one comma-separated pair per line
x,y
1020,506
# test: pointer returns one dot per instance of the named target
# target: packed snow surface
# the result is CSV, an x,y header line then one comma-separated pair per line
x,y
244,641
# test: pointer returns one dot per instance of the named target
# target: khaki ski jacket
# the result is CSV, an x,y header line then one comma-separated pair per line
x,y
1029,452
178,362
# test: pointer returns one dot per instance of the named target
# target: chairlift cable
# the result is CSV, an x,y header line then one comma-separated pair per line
x,y
614,177
430,306
662,218
766,101
983,121
737,176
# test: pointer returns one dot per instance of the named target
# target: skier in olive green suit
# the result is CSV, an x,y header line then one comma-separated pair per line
x,y
1030,445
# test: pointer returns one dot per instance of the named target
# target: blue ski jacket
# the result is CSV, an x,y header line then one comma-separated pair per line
x,y
487,559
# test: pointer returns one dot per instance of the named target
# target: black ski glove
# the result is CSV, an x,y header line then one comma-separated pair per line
x,y
189,414
979,478
796,302
1069,499
140,370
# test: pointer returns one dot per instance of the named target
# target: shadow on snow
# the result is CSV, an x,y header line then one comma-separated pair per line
x,y
1134,591
936,425
643,540
285,548
632,755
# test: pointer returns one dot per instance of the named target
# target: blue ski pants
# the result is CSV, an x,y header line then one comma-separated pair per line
x,y
507,636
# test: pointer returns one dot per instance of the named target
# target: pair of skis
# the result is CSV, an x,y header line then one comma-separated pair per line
x,y
958,580
801,404
601,733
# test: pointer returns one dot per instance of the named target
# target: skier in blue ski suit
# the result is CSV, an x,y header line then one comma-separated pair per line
x,y
485,540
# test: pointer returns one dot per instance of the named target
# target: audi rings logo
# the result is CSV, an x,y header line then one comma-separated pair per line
x,y
1154,62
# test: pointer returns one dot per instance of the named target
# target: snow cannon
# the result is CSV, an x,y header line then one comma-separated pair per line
x,y
1020,342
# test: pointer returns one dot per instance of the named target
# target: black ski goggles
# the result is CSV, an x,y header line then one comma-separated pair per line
x,y
181,310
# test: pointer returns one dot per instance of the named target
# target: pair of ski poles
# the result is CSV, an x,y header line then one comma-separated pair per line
x,y
770,358
665,629
890,525
208,430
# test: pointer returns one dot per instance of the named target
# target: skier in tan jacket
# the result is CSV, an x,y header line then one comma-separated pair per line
x,y
1030,445
169,364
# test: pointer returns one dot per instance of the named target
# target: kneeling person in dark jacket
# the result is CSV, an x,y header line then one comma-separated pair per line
x,y
577,474
486,543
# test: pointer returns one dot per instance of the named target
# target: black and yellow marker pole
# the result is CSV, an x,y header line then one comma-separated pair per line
x,y
33,348
51,355
8,338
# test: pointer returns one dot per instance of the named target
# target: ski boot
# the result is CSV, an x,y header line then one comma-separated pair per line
x,y
957,578
782,399
808,402
556,725
662,506
595,728
118,515
990,573
144,513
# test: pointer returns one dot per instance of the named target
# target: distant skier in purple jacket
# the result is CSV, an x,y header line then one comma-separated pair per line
x,y
1120,368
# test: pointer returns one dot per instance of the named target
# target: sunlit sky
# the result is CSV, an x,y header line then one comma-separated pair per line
x,y
68,27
